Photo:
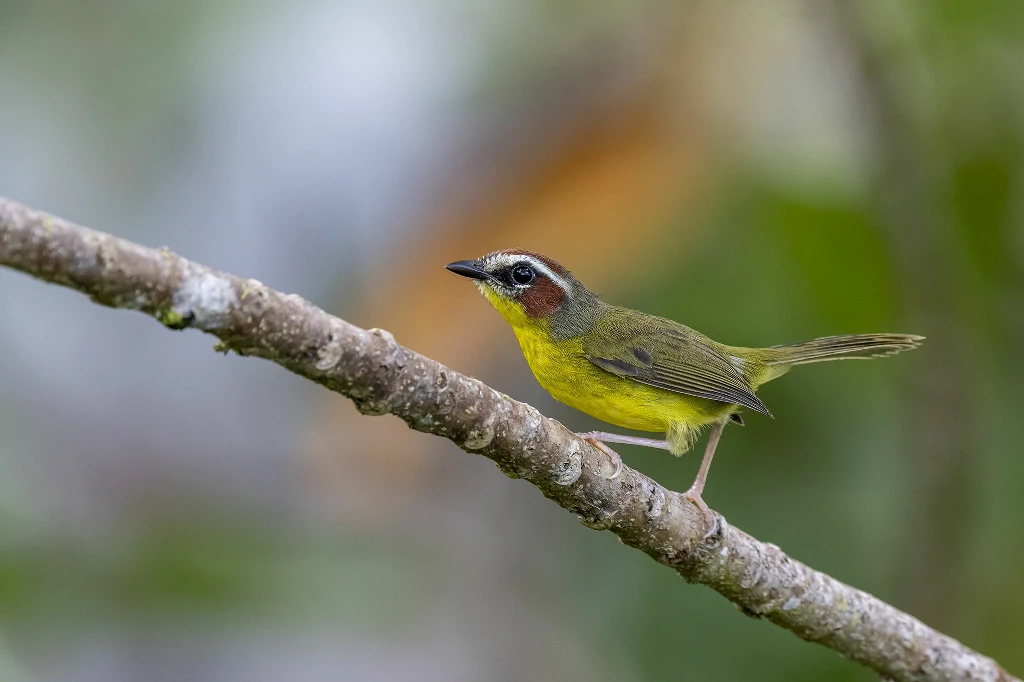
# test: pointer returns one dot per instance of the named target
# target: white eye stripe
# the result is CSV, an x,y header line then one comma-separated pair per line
x,y
545,270
500,260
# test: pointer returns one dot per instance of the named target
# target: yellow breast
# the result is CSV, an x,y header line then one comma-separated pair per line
x,y
564,371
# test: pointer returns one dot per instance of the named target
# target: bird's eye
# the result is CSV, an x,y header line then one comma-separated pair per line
x,y
523,274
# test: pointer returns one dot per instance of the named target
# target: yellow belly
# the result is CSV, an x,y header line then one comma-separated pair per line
x,y
570,378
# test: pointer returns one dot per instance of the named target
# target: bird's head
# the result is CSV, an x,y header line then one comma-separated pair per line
x,y
529,289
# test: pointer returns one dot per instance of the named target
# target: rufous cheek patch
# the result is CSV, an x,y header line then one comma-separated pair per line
x,y
543,298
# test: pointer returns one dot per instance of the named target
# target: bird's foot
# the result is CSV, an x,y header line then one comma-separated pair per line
x,y
616,460
693,496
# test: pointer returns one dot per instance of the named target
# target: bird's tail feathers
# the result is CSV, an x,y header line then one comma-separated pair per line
x,y
850,347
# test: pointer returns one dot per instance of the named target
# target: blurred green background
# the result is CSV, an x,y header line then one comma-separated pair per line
x,y
765,173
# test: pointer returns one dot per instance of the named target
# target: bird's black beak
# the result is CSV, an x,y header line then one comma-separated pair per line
x,y
468,268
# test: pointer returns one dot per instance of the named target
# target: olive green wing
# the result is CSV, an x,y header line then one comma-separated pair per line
x,y
667,355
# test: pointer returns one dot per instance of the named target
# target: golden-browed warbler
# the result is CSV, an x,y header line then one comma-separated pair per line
x,y
636,370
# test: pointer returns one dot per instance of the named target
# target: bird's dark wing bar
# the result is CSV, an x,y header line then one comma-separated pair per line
x,y
673,360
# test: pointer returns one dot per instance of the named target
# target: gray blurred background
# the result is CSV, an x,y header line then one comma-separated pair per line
x,y
763,172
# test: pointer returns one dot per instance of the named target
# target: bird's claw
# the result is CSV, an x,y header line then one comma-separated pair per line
x,y
612,455
693,496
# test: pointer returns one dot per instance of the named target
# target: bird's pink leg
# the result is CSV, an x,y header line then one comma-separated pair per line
x,y
694,493
599,438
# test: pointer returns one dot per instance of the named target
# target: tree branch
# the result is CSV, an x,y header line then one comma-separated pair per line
x,y
381,377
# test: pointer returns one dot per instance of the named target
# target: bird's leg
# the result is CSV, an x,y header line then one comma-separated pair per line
x,y
626,440
599,438
693,494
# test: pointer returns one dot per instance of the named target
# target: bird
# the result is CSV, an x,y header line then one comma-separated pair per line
x,y
639,371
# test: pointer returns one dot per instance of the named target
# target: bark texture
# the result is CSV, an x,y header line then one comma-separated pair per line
x,y
383,377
